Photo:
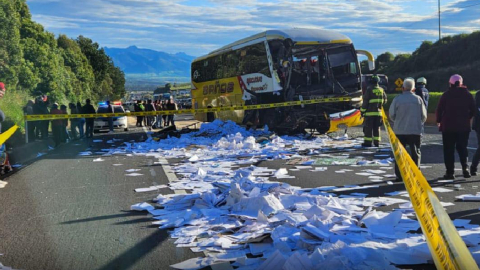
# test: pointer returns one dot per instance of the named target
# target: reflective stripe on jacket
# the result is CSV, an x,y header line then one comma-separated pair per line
x,y
373,101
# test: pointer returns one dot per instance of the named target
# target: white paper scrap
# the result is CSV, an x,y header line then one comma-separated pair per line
x,y
142,207
98,160
134,174
194,264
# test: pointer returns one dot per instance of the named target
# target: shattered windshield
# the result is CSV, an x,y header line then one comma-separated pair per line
x,y
342,63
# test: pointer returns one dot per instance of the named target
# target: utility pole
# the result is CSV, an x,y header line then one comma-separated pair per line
x,y
439,26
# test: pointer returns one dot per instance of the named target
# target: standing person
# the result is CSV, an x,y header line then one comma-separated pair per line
x,y
110,119
149,108
422,91
144,108
28,110
2,114
65,135
5,165
38,124
408,112
41,107
171,106
89,109
158,107
164,108
476,128
73,121
57,125
454,112
81,121
139,108
373,101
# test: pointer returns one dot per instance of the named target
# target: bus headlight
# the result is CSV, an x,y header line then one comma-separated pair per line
x,y
357,99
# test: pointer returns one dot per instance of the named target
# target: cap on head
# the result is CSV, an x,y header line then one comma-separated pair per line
x,y
2,86
454,79
422,80
408,84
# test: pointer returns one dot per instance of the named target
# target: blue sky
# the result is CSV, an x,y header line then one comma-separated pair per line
x,y
199,26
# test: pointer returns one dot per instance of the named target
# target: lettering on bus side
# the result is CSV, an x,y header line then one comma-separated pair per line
x,y
254,80
217,88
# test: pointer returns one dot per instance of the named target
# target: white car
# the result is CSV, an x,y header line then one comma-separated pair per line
x,y
118,122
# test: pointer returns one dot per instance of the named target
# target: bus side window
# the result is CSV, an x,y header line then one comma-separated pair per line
x,y
230,60
255,60
198,72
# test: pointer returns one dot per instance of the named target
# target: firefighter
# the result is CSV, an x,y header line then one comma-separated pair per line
x,y
373,100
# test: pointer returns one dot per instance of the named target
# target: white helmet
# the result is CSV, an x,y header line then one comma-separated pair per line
x,y
422,80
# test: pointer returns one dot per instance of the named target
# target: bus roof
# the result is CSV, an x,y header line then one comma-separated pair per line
x,y
299,36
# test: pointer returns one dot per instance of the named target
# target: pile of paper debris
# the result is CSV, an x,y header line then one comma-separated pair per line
x,y
234,213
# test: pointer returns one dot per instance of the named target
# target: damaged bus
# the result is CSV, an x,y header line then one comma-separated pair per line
x,y
277,66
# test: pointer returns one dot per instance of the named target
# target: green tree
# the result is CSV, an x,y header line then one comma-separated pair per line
x,y
10,51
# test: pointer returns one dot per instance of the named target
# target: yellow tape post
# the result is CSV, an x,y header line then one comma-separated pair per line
x,y
7,134
192,111
447,247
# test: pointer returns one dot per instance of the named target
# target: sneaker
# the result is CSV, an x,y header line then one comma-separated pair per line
x,y
366,145
466,173
449,177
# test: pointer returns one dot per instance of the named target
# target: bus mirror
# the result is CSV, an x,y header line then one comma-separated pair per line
x,y
371,59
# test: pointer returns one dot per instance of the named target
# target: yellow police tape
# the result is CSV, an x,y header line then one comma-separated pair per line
x,y
205,110
447,247
7,134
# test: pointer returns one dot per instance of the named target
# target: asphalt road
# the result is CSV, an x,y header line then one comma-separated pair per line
x,y
65,211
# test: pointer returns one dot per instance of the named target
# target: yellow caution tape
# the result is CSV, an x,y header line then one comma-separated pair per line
x,y
447,247
192,111
7,134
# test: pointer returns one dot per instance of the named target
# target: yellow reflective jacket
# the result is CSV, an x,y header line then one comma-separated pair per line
x,y
373,101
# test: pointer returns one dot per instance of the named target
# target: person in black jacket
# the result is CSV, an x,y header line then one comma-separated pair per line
x,y
476,127
89,109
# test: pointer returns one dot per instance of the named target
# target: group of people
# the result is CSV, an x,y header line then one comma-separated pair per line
x,y
157,120
408,111
39,129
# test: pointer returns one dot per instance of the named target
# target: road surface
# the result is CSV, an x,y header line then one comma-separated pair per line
x,y
65,211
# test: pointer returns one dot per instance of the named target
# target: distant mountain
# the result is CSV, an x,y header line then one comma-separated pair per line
x,y
133,60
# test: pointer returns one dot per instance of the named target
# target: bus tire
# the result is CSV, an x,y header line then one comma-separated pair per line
x,y
323,125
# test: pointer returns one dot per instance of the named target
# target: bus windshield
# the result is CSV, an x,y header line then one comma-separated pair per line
x,y
325,71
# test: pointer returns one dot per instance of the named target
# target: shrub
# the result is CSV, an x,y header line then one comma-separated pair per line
x,y
12,105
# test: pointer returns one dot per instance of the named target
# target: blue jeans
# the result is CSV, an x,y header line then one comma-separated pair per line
x,y
80,125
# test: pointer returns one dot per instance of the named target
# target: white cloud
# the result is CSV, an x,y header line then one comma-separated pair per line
x,y
200,26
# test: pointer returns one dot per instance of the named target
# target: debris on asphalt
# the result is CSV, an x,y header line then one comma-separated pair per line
x,y
236,211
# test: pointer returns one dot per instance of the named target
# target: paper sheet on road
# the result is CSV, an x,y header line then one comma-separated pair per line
x,y
234,208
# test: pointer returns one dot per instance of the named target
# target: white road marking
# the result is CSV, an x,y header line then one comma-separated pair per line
x,y
173,178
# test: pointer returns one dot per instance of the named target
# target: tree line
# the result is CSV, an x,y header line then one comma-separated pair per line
x,y
36,62
436,61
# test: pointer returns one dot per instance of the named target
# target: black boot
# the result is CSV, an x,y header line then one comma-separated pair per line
x,y
473,171
366,144
448,176
466,172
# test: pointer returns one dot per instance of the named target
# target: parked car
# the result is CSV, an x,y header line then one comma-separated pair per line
x,y
118,122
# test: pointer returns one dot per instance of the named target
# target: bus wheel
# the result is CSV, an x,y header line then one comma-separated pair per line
x,y
210,116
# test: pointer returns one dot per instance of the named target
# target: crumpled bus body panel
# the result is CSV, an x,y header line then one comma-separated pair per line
x,y
278,66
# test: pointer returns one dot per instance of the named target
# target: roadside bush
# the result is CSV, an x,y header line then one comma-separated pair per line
x,y
12,105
